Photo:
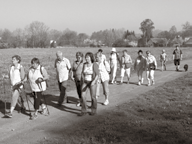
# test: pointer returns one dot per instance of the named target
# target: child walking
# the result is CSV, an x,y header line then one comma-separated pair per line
x,y
163,60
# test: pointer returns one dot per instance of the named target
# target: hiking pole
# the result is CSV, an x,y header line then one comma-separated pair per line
x,y
28,105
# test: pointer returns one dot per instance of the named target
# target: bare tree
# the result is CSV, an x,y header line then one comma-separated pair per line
x,y
37,33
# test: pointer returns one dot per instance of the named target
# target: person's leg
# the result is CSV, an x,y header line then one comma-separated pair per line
x,y
78,87
37,99
106,92
83,99
94,100
122,74
128,73
14,99
178,64
115,72
22,94
111,75
175,62
63,96
164,64
152,72
98,89
148,77
140,77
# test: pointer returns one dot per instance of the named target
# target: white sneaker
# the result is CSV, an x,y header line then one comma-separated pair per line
x,y
139,83
142,81
106,102
148,84
153,82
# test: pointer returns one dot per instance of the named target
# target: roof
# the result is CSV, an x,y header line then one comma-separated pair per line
x,y
158,40
132,38
189,41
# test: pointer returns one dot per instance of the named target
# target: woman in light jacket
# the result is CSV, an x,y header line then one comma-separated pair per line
x,y
16,75
37,77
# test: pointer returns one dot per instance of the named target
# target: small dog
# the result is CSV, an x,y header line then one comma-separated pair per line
x,y
186,67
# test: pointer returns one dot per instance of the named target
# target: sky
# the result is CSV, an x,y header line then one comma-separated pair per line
x,y
87,16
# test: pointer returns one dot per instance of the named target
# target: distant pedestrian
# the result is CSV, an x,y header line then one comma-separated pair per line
x,y
140,66
63,68
77,69
163,59
37,77
113,60
177,57
90,76
151,65
103,78
126,63
103,57
17,76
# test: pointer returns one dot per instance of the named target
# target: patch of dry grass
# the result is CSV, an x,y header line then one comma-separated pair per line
x,y
160,116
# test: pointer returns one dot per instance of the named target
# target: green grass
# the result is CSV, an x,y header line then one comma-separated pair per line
x,y
160,116
47,58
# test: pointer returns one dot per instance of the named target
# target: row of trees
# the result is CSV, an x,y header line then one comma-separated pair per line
x,y
37,34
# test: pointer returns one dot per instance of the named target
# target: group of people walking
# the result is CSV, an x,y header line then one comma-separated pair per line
x,y
91,74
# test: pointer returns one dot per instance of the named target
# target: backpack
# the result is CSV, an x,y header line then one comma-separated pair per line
x,y
41,71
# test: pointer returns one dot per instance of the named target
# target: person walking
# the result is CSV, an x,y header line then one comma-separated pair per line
x,y
140,66
151,66
77,69
177,57
126,63
113,60
163,60
103,77
89,81
103,57
63,68
17,76
37,77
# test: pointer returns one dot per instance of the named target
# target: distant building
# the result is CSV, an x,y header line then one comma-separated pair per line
x,y
157,42
188,42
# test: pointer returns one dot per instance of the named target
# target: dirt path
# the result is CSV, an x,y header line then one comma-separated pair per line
x,y
21,130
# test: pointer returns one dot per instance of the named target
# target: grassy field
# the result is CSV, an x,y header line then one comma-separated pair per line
x,y
47,58
160,116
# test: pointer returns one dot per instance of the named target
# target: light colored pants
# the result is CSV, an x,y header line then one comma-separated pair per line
x,y
140,75
126,72
105,86
17,98
113,72
150,75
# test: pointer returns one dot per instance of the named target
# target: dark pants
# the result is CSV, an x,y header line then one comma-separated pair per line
x,y
85,86
37,100
78,86
62,88
177,62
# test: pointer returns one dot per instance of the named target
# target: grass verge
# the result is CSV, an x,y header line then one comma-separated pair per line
x,y
160,116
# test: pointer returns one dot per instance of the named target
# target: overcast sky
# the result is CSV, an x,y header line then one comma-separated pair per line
x,y
94,15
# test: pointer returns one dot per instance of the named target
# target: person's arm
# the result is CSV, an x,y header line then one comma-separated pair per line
x,y
173,55
82,74
96,73
181,55
22,74
155,62
45,74
134,66
130,60
72,72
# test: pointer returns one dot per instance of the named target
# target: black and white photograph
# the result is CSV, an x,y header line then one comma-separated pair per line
x,y
96,72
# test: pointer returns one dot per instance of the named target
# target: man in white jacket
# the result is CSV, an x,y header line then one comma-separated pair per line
x,y
63,68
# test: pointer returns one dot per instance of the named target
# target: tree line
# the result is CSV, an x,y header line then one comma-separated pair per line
x,y
38,34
